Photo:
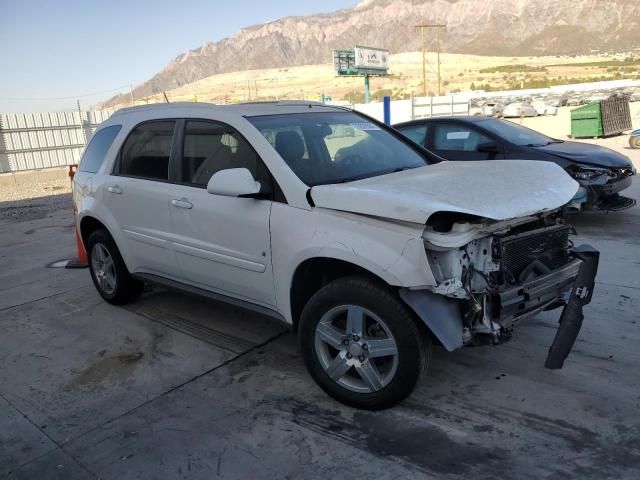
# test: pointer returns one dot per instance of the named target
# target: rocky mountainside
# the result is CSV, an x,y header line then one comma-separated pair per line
x,y
485,27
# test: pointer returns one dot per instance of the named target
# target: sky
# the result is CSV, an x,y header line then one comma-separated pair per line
x,y
55,52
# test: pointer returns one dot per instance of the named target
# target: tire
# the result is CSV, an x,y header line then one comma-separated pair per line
x,y
634,142
349,372
108,271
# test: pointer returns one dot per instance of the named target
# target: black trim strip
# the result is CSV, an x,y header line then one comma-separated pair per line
x,y
199,292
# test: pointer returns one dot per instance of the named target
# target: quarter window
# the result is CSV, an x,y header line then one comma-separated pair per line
x,y
147,150
416,133
460,138
98,147
210,147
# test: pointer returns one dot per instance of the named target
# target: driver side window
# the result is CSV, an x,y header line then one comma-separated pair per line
x,y
457,137
210,147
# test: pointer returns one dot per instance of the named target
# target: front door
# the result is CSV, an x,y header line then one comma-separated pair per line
x,y
459,141
221,243
137,195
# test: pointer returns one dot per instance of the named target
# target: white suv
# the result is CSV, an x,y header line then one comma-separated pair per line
x,y
331,222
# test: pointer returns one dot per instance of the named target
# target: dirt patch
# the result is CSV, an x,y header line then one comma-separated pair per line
x,y
108,367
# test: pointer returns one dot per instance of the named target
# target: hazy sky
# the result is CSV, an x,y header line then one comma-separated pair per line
x,y
76,48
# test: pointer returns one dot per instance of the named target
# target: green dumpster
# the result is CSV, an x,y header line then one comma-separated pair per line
x,y
586,121
601,119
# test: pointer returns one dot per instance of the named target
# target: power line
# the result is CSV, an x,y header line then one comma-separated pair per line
x,y
71,97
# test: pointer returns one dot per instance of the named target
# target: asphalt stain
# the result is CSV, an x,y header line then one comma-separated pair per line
x,y
392,435
107,367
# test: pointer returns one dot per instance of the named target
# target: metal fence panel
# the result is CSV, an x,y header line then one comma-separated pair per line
x,y
31,141
428,107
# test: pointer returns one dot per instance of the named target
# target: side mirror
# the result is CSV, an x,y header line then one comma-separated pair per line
x,y
488,147
234,182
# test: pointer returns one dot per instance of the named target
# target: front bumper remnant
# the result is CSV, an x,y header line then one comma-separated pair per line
x,y
572,316
520,301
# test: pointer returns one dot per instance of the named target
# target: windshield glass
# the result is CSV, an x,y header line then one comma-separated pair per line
x,y
516,134
336,147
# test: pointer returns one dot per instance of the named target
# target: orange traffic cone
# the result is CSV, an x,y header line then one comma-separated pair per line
x,y
81,260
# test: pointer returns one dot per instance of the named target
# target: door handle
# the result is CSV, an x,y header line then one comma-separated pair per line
x,y
115,189
182,203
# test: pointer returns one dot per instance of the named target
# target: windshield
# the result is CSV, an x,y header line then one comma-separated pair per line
x,y
516,134
336,147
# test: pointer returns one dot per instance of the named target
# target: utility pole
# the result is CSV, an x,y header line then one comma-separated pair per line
x,y
438,47
438,27
131,92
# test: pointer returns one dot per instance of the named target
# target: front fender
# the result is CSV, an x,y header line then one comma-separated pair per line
x,y
395,253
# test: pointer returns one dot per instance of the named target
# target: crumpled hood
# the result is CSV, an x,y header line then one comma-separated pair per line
x,y
498,190
587,153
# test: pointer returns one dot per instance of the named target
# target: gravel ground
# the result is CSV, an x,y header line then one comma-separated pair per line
x,y
36,200
10,193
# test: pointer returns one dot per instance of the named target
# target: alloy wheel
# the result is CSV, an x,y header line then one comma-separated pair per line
x,y
103,268
356,349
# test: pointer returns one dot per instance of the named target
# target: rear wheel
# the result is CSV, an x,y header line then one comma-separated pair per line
x,y
361,344
634,142
108,271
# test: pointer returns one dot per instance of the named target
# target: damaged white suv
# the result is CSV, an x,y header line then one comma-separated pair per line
x,y
325,219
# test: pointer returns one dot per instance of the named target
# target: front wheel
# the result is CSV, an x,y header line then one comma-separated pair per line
x,y
361,344
634,141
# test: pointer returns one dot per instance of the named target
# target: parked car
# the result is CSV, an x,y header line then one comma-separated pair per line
x,y
577,100
602,173
332,223
518,110
634,139
492,109
543,108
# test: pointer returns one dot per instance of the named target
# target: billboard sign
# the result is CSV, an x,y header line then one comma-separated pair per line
x,y
367,58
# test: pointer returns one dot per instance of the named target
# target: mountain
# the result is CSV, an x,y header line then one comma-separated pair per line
x,y
484,27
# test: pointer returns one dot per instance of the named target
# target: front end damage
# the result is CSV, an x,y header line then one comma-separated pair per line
x,y
600,188
492,275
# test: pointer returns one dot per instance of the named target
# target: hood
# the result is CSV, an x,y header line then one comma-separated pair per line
x,y
498,190
587,153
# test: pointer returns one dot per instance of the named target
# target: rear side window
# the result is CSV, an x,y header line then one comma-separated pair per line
x,y
146,152
97,149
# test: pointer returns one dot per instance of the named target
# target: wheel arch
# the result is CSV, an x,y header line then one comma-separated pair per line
x,y
315,272
88,225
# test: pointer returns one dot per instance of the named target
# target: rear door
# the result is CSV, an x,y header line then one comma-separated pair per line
x,y
222,243
137,195
461,141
